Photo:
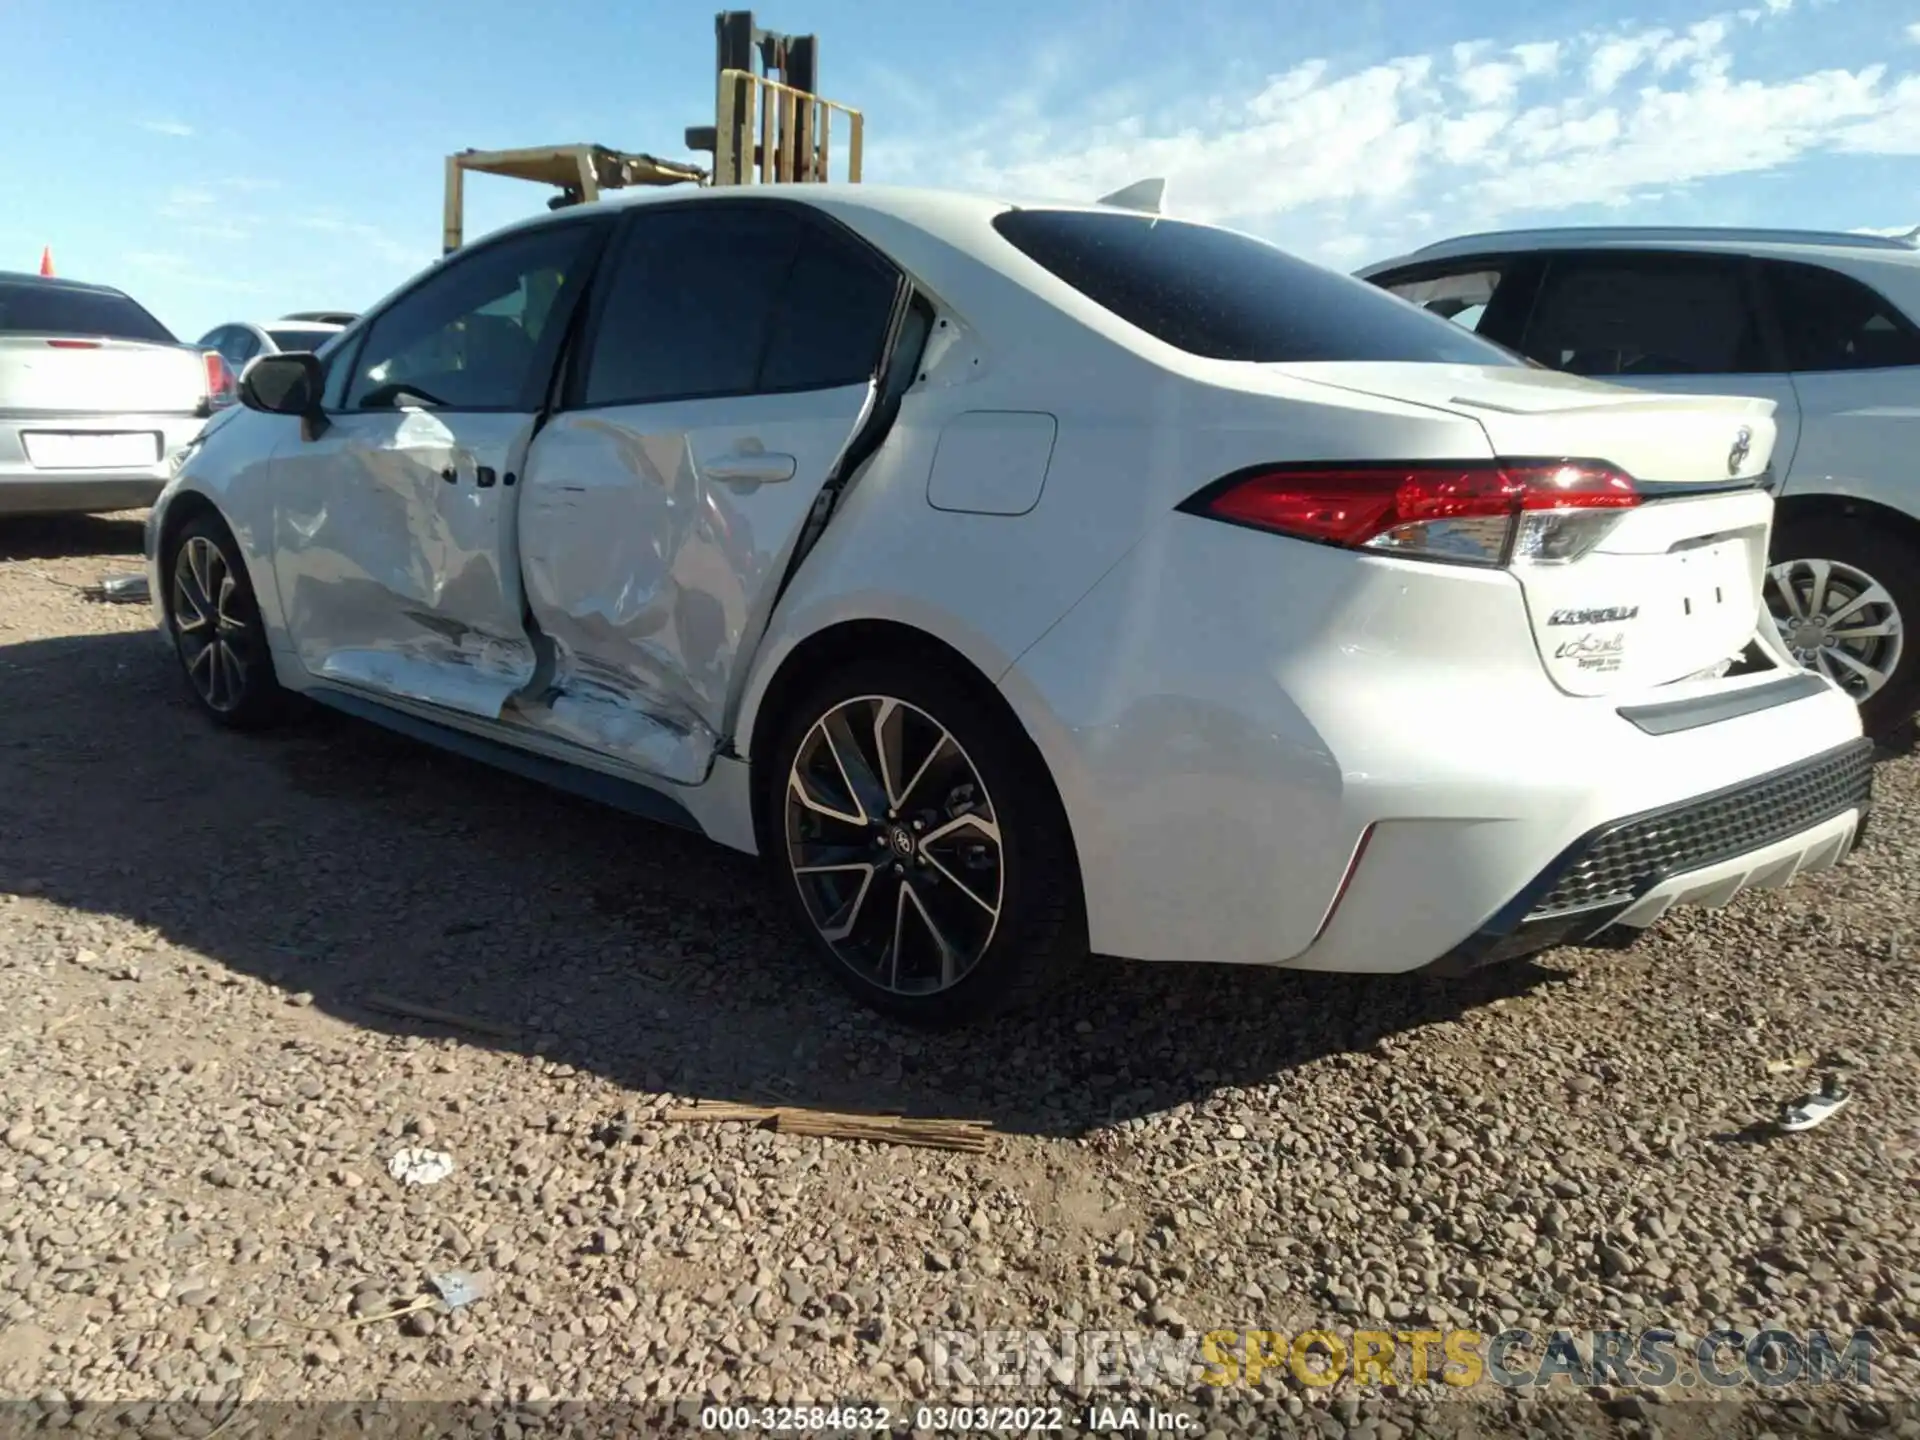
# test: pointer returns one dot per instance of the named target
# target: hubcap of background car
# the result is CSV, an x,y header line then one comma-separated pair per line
x,y
212,635
894,845
1838,620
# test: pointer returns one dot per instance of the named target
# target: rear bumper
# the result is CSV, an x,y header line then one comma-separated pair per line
x,y
1625,875
84,494
1273,753
27,489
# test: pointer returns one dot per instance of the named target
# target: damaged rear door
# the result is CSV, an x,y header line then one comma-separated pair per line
x,y
395,543
727,365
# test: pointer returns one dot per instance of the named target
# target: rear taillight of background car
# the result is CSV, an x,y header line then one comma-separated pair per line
x,y
222,389
1494,512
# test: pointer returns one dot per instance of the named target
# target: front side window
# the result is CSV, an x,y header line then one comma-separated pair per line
x,y
712,300
467,337
1227,296
1831,321
1611,315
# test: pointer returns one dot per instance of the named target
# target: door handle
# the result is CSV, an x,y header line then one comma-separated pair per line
x,y
762,469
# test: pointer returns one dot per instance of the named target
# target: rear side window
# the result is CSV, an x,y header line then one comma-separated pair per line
x,y
1227,296
27,308
831,321
711,300
1831,321
1607,315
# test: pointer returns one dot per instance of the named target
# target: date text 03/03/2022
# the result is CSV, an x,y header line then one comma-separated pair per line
x,y
1006,1419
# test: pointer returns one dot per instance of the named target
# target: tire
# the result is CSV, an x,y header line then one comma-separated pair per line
x,y
217,630
990,868
1854,557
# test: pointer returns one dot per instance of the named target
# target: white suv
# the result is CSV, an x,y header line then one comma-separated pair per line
x,y
1821,324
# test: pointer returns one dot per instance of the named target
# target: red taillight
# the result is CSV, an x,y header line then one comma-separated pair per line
x,y
222,391
74,344
1469,511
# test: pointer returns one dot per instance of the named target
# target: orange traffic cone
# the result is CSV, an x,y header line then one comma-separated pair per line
x,y
46,260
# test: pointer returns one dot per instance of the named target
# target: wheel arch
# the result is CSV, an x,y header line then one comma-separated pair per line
x,y
836,644
1797,508
186,505
183,507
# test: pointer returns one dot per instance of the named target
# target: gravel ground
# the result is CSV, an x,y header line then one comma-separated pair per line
x,y
198,1106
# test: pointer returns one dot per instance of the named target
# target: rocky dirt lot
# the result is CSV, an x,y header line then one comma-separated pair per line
x,y
199,1106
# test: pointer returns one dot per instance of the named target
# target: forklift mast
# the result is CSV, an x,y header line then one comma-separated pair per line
x,y
771,126
783,88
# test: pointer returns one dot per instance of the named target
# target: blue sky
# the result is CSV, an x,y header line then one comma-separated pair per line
x,y
238,161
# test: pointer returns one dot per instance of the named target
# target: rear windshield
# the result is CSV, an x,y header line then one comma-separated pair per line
x,y
301,339
30,309
1227,296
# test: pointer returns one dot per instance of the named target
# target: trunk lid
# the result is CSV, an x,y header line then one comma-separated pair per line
x,y
60,375
1674,587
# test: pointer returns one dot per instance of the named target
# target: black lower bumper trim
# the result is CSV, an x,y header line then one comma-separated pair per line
x,y
1529,937
1600,876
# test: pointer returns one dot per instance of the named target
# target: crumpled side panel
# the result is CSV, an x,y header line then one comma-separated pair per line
x,y
603,514
394,578
611,711
650,549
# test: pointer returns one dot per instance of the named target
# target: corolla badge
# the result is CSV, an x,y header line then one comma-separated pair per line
x,y
1742,447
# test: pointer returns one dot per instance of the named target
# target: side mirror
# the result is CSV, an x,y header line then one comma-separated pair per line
x,y
284,384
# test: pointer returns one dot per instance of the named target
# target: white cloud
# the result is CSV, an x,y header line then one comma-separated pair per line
x,y
1613,60
1472,133
178,129
1541,58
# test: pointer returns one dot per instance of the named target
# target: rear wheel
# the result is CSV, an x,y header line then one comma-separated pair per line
x,y
921,845
1841,592
217,630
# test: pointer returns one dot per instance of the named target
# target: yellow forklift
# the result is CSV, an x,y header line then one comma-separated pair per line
x,y
771,126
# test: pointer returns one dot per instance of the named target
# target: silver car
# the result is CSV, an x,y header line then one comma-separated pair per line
x,y
241,340
96,398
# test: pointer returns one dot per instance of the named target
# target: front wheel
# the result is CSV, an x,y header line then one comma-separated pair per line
x,y
217,630
921,845
1840,593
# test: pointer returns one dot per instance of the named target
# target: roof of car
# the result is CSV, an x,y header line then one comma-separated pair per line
x,y
288,323
1743,240
931,208
59,282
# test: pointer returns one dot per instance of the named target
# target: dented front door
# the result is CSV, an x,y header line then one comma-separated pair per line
x,y
396,554
731,363
395,540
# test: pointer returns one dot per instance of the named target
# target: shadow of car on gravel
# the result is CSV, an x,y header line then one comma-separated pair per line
x,y
337,860
52,537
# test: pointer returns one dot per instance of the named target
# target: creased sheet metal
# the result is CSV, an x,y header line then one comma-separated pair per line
x,y
649,564
396,578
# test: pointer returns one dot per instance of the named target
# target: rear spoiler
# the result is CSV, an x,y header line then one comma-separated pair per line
x,y
1147,196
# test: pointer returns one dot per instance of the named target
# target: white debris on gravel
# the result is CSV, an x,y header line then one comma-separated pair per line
x,y
186,1163
416,1165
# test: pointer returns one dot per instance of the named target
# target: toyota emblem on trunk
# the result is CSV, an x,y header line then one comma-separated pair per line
x,y
1742,447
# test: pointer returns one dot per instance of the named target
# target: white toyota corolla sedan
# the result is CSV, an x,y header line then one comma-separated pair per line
x,y
1023,582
